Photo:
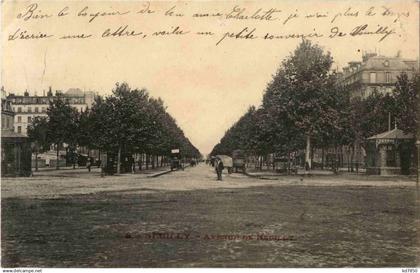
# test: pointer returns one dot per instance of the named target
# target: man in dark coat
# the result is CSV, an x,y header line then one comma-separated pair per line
x,y
218,165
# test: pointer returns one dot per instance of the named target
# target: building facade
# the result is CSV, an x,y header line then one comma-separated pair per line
x,y
7,114
15,148
28,107
375,73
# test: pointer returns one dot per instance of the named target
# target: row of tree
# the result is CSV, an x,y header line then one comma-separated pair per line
x,y
127,122
304,107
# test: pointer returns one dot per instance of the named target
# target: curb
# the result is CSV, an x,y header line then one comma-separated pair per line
x,y
164,172
159,174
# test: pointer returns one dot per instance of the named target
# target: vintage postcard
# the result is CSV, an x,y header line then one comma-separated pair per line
x,y
210,134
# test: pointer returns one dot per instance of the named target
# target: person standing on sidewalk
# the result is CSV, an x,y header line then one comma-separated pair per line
x,y
219,168
88,164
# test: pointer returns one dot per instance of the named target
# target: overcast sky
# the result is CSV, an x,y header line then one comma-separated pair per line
x,y
205,87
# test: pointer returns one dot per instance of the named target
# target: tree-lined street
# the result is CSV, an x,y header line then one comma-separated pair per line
x,y
133,191
305,107
127,123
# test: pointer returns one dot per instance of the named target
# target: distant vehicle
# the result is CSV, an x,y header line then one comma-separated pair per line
x,y
238,157
176,163
193,162
227,162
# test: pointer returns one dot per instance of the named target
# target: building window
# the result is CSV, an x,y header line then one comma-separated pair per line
x,y
43,109
36,109
388,77
29,119
29,109
372,77
19,129
19,109
19,119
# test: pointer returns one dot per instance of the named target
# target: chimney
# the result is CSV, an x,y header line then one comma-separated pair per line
x,y
367,56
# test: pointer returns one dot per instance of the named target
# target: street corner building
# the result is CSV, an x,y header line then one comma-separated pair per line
x,y
15,147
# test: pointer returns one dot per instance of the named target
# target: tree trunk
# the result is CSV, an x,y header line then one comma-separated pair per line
x,y
119,160
307,153
147,161
312,155
348,159
58,156
36,160
140,162
99,157
357,156
322,160
74,163
336,160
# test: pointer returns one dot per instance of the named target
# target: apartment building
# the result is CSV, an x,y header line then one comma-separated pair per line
x,y
27,107
375,72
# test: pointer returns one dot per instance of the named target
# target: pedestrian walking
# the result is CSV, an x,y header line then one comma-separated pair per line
x,y
219,168
88,164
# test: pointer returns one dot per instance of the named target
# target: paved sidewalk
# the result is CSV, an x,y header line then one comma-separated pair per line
x,y
327,174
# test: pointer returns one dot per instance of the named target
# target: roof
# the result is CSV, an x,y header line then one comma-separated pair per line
x,y
76,92
393,134
394,63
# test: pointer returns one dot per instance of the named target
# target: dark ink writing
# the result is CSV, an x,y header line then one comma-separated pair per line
x,y
121,31
94,15
243,34
25,35
32,12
